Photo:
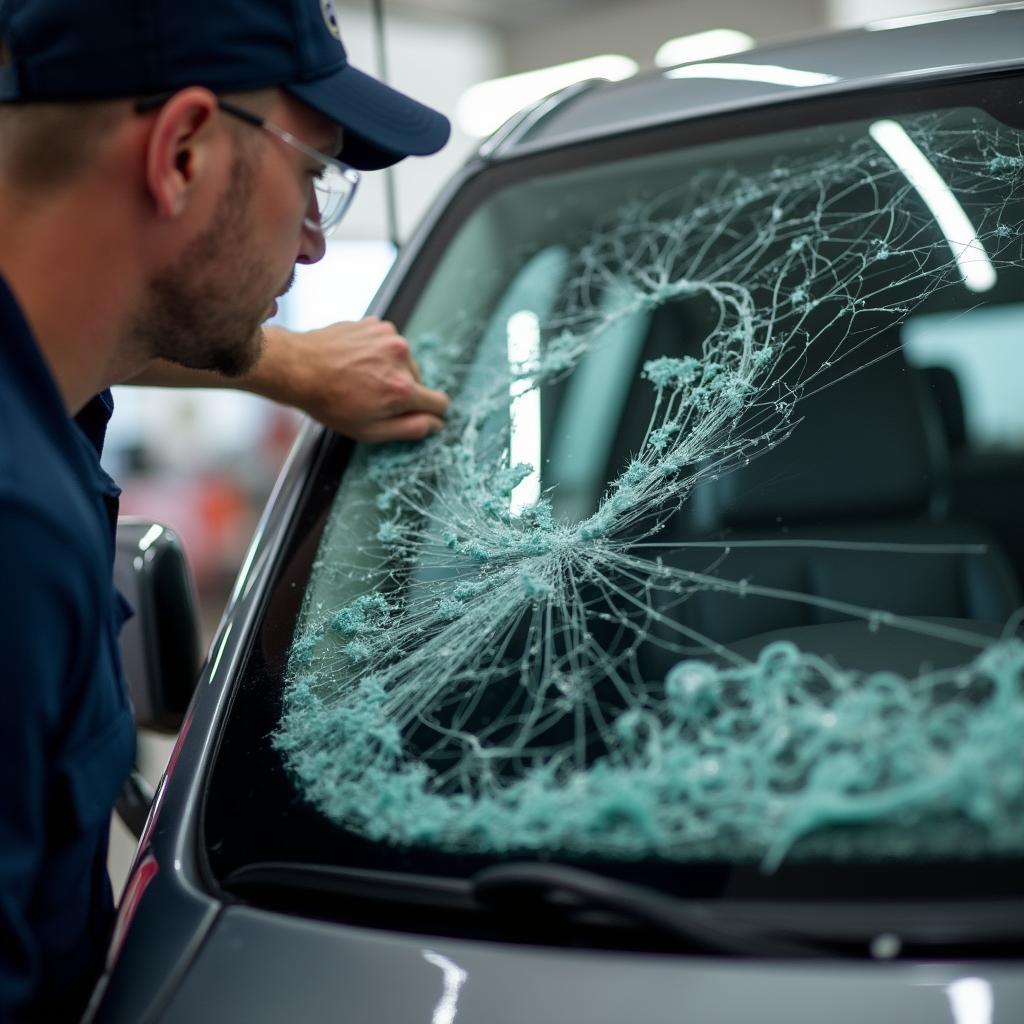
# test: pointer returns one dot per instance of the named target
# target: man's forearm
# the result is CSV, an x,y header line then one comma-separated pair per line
x,y
357,378
264,379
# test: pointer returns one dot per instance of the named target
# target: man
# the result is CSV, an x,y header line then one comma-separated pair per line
x,y
164,165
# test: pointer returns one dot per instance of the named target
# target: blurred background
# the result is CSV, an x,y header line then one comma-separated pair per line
x,y
204,462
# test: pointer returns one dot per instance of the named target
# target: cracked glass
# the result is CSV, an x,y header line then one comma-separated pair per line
x,y
714,559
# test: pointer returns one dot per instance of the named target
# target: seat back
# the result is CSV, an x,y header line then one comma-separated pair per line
x,y
833,521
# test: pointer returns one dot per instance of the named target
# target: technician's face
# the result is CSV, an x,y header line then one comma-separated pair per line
x,y
206,310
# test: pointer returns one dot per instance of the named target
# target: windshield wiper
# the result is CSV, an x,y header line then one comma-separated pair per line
x,y
515,897
521,890
567,891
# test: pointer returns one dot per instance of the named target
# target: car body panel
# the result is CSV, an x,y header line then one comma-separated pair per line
x,y
856,60
351,974
176,908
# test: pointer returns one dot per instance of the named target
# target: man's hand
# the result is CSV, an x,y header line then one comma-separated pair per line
x,y
357,378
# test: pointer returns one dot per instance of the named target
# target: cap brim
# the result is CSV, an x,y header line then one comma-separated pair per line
x,y
382,125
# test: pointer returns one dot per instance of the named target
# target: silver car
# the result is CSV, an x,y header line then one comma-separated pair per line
x,y
679,677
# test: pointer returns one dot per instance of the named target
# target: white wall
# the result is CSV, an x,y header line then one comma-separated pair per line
x,y
435,59
339,287
637,29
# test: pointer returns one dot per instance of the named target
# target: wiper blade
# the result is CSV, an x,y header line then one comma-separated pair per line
x,y
353,883
563,890
517,893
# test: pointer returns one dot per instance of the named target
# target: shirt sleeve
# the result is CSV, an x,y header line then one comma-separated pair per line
x,y
45,628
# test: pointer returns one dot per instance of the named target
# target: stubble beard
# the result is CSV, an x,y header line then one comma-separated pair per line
x,y
196,313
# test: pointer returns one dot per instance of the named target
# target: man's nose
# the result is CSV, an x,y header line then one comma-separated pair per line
x,y
314,245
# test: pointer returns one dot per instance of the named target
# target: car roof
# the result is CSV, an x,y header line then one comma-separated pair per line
x,y
892,51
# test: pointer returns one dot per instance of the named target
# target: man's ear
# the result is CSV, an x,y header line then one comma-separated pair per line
x,y
180,151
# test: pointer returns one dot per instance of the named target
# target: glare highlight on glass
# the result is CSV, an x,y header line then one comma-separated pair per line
x,y
454,978
334,187
772,74
909,20
487,106
717,42
971,1001
971,258
524,408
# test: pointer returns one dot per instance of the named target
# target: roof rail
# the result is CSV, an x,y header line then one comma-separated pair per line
x,y
519,125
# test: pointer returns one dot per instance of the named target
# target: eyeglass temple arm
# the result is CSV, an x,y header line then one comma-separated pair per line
x,y
144,106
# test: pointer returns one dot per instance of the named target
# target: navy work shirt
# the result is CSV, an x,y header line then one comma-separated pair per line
x,y
67,739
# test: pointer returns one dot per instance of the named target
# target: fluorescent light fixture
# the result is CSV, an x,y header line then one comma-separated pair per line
x,y
702,46
485,107
971,258
971,1001
773,74
884,24
524,407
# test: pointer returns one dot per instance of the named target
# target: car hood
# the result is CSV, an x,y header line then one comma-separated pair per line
x,y
258,966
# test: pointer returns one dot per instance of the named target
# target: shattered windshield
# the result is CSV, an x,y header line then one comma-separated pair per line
x,y
715,558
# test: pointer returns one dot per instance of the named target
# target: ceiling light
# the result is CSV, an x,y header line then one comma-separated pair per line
x,y
485,107
702,46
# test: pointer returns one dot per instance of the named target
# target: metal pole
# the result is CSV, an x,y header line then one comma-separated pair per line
x,y
390,196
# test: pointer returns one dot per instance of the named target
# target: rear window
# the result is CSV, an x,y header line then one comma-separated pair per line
x,y
717,560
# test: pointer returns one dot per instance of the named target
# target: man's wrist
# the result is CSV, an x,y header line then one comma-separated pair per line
x,y
275,374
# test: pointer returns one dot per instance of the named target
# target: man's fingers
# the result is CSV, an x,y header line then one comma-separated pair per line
x,y
408,427
386,331
421,399
432,401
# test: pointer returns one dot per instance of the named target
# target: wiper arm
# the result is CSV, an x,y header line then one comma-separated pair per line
x,y
560,889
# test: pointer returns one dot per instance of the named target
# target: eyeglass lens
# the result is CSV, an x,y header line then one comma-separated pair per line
x,y
334,189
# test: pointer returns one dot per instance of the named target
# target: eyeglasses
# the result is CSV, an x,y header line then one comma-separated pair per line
x,y
334,186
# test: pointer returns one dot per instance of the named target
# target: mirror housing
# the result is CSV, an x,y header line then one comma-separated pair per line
x,y
160,644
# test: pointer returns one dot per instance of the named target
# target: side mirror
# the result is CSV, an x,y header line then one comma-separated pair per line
x,y
160,644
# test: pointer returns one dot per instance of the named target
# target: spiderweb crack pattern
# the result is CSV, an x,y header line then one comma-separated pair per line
x,y
483,687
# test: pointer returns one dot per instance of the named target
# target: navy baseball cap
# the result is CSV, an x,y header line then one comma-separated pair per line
x,y
54,50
